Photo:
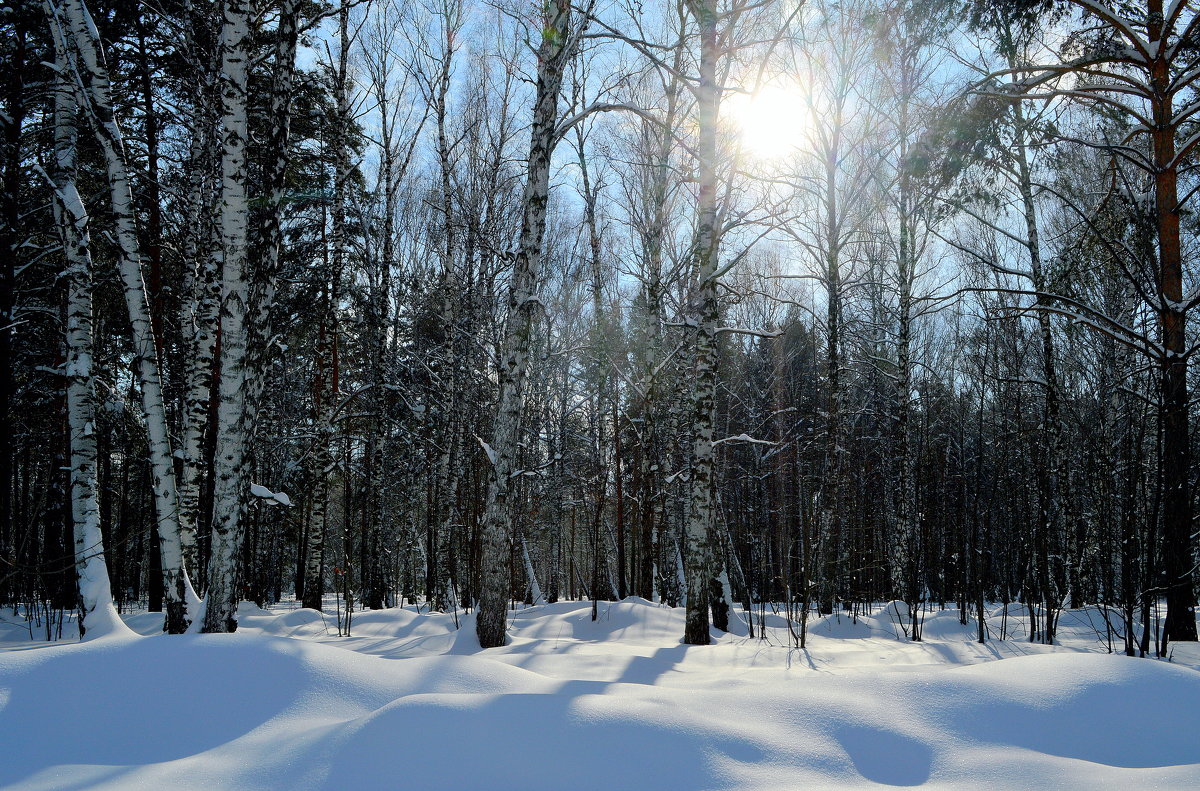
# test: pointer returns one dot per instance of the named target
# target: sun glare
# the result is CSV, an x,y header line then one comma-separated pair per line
x,y
773,122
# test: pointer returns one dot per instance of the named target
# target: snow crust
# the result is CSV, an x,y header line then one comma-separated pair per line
x,y
412,703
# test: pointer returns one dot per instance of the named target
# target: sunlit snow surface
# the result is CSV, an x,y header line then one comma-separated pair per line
x,y
410,703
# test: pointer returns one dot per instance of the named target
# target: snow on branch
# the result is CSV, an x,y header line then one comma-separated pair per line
x,y
491,454
536,471
744,331
269,497
744,438
1124,25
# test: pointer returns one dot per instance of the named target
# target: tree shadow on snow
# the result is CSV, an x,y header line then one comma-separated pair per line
x,y
126,682
885,756
528,742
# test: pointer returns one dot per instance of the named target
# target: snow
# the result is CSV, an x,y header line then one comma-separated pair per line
x,y
410,702
487,448
270,497
744,438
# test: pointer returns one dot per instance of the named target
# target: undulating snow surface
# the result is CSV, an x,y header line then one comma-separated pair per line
x,y
411,703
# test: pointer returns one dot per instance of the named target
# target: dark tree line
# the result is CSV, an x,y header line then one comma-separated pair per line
x,y
725,304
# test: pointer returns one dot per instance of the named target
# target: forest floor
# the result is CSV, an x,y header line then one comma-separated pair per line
x,y
410,702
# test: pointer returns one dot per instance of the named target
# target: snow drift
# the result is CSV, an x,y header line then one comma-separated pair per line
x,y
570,703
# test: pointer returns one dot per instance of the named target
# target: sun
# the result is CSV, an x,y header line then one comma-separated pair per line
x,y
772,123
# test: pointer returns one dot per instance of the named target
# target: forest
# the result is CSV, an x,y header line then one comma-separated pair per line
x,y
761,309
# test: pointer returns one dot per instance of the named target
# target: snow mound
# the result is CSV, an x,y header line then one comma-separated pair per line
x,y
613,704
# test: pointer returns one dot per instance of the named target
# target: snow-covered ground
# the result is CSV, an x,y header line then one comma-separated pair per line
x,y
411,703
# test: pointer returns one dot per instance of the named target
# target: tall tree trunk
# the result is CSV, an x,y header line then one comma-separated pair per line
x,y
92,72
650,472
200,309
700,519
97,614
1178,570
13,121
599,342
558,44
442,513
326,383
374,455
829,536
230,481
908,521
1048,530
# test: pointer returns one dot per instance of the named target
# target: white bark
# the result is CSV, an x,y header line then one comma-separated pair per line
x,y
230,484
700,519
97,614
559,42
92,73
314,544
199,320
535,590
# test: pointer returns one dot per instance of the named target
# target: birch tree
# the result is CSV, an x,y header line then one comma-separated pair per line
x,y
908,49
833,199
97,613
199,314
229,476
92,73
561,31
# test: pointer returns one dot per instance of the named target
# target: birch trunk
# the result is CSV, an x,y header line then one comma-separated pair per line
x,y
906,255
1049,526
442,514
97,613
829,537
92,72
700,520
199,321
230,485
199,315
245,307
558,44
270,228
